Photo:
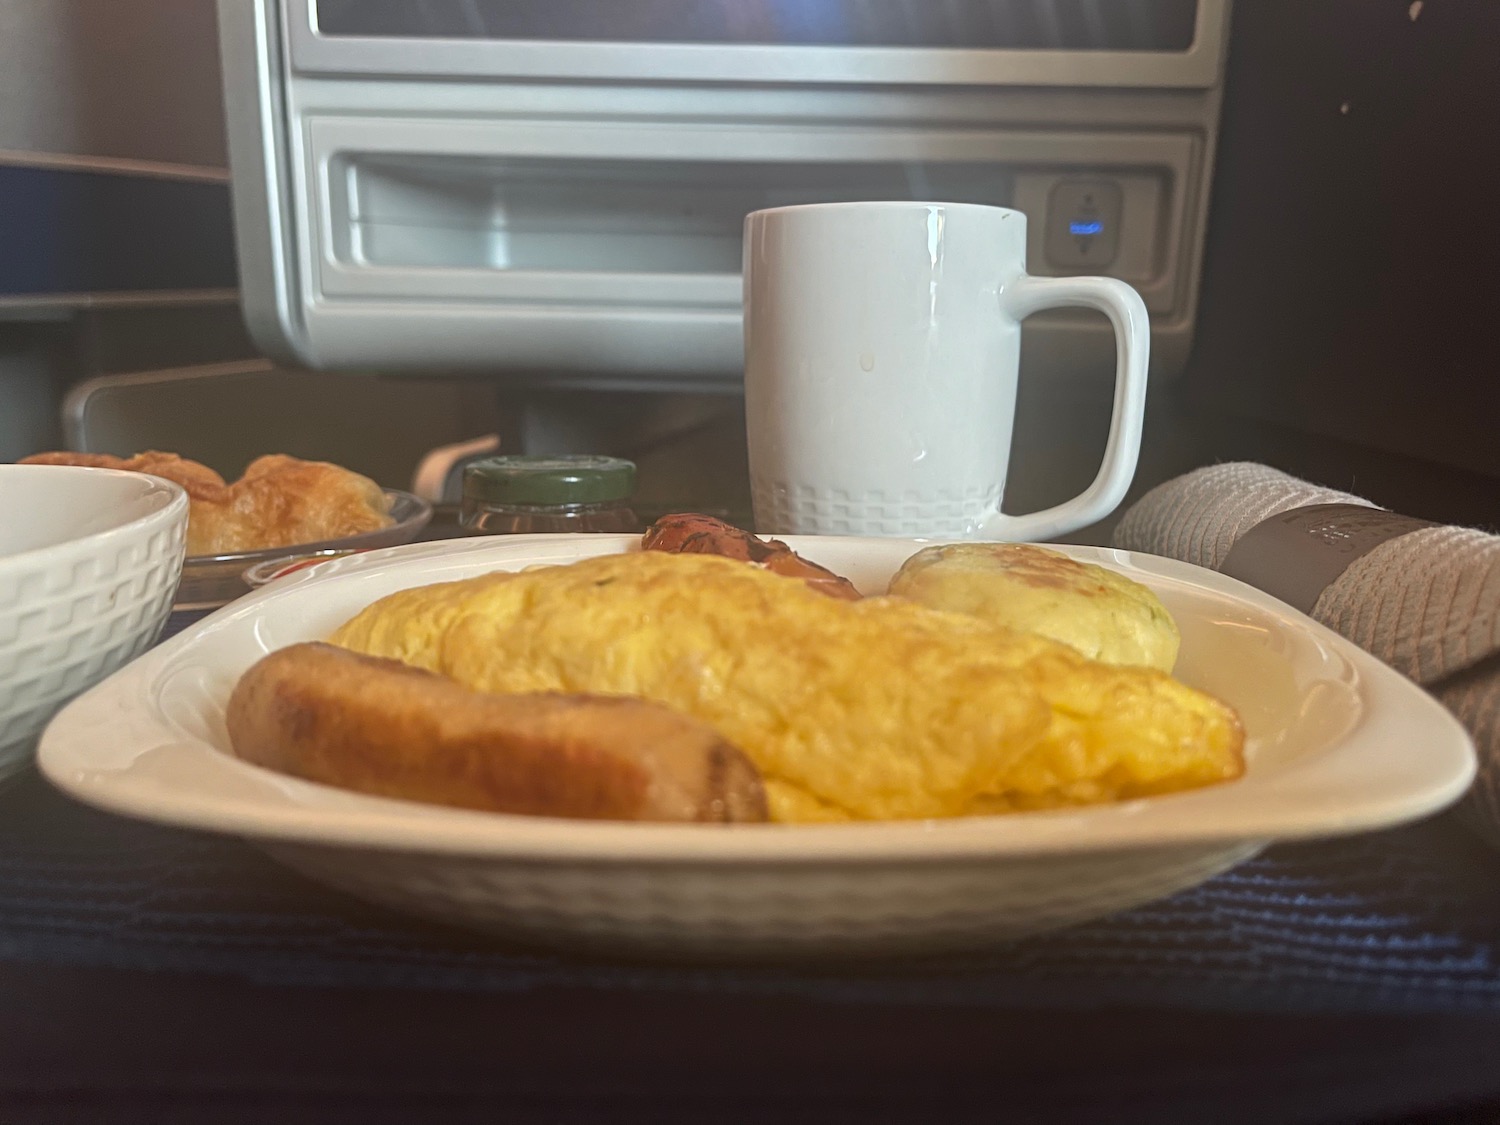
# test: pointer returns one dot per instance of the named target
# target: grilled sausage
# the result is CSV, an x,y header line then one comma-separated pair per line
x,y
691,534
328,715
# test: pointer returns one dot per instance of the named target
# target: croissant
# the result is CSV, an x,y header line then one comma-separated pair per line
x,y
279,501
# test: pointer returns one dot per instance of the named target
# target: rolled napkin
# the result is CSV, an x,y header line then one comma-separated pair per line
x,y
1424,598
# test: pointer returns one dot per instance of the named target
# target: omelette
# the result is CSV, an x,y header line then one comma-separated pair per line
x,y
1097,611
850,710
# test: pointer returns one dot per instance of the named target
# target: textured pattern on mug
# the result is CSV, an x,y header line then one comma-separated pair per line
x,y
801,509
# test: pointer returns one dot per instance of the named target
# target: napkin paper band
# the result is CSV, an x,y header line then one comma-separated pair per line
x,y
1297,554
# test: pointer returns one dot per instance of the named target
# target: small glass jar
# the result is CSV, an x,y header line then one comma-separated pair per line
x,y
530,495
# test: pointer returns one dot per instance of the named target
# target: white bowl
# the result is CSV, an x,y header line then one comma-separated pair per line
x,y
1337,743
89,560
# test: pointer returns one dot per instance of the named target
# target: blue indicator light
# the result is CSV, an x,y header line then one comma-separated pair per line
x,y
1093,227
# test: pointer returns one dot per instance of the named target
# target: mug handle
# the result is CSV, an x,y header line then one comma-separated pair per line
x,y
1127,313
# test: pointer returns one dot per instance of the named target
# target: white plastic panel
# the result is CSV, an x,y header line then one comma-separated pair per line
x,y
559,214
1071,25
314,53
650,215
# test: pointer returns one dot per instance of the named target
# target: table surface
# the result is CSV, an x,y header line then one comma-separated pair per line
x,y
154,972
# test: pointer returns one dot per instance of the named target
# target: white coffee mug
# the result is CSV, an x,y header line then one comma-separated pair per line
x,y
882,344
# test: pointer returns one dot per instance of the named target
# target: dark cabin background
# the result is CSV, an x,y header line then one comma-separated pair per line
x,y
1349,329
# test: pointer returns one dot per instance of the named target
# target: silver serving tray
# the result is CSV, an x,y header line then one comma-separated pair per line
x,y
209,581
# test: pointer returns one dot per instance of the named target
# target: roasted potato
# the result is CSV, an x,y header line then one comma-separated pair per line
x,y
1097,611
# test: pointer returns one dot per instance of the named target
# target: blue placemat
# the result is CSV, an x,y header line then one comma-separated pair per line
x,y
1398,922
1401,922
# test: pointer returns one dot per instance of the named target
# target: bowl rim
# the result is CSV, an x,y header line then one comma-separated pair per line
x,y
177,507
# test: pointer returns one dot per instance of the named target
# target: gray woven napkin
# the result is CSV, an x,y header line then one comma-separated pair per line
x,y
1427,602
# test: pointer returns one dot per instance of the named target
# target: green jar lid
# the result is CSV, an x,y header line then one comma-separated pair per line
x,y
566,479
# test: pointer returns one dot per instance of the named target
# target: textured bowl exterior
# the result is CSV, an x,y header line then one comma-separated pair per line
x,y
775,911
73,613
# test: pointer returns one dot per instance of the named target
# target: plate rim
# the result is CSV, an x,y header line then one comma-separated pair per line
x,y
342,818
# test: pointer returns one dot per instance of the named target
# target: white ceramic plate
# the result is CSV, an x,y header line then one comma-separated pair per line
x,y
1338,743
